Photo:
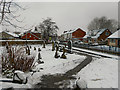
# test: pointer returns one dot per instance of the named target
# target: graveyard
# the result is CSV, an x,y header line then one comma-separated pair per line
x,y
56,63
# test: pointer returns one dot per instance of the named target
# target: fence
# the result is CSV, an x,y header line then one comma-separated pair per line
x,y
104,49
20,42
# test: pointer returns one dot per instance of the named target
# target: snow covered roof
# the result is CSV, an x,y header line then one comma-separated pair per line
x,y
36,31
115,35
12,34
86,36
96,33
71,31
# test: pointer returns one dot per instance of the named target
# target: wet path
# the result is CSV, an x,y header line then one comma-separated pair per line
x,y
53,81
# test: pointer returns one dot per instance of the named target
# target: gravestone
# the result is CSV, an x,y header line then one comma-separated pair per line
x,y
63,55
43,44
39,57
53,46
69,46
28,50
34,48
56,53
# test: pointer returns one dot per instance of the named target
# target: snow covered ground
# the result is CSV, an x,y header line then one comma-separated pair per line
x,y
51,66
100,73
54,66
99,53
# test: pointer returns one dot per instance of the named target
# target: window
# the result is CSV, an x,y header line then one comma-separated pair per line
x,y
106,33
112,40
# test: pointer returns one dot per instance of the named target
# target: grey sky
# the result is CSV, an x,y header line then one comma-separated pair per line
x,y
68,15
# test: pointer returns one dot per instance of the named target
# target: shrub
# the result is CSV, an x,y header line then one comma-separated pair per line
x,y
15,58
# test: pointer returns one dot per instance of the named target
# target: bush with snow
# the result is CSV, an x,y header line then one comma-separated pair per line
x,y
15,58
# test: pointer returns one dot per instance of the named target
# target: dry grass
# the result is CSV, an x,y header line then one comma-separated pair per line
x,y
15,58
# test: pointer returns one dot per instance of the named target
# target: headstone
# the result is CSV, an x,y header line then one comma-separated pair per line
x,y
69,46
34,48
63,55
28,50
43,44
56,53
19,77
39,49
53,46
39,56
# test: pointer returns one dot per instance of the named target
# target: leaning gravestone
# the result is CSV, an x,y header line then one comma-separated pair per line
x,y
19,77
63,55
56,53
69,46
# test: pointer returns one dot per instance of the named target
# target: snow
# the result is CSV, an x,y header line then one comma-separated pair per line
x,y
9,84
115,35
86,36
51,66
99,53
97,33
21,76
100,73
10,33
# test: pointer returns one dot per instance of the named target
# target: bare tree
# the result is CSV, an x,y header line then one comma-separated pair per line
x,y
48,28
101,23
8,11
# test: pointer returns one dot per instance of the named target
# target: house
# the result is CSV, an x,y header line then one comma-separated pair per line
x,y
97,36
73,34
114,39
33,34
6,35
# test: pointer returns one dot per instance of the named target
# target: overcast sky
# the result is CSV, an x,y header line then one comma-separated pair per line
x,y
68,15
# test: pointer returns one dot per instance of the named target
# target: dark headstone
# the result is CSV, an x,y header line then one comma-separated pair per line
x,y
56,53
43,44
63,55
69,46
34,48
